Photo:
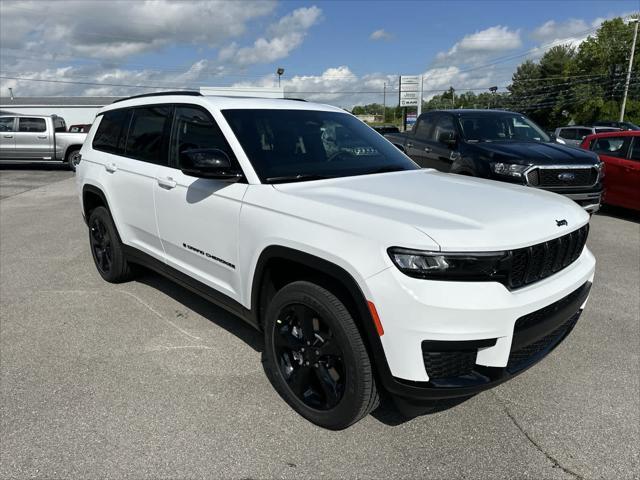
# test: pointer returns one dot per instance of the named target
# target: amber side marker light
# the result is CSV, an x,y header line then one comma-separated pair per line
x,y
376,318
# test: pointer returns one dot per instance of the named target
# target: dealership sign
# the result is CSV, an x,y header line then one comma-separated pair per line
x,y
409,90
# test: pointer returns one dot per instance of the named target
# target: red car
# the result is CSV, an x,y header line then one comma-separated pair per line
x,y
620,152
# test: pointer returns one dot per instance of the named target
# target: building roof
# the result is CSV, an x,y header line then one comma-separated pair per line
x,y
7,102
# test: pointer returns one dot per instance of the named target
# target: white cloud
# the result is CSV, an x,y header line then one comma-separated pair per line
x,y
477,46
116,29
286,35
381,34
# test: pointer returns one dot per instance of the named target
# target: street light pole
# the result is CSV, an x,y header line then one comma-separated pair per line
x,y
384,103
626,84
279,71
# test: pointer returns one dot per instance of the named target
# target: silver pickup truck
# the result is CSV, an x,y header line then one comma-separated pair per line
x,y
38,138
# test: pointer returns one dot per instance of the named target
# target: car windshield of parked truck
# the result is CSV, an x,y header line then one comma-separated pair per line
x,y
298,145
500,128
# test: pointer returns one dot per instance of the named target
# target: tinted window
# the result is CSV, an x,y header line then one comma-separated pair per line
x,y
32,125
112,132
195,129
501,127
568,133
297,145
583,132
444,124
612,146
148,133
6,124
424,127
635,150
59,125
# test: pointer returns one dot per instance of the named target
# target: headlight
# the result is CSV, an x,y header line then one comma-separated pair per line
x,y
479,266
509,169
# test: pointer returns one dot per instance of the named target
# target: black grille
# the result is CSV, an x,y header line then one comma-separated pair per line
x,y
528,265
448,364
523,356
562,177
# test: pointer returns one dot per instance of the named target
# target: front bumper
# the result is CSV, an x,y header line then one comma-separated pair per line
x,y
420,317
590,201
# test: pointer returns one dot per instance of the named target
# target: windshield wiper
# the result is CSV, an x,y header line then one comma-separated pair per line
x,y
299,177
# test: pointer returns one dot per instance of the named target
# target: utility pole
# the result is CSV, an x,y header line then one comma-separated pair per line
x,y
384,102
453,98
626,84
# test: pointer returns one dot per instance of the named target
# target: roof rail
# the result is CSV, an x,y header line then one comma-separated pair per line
x,y
160,94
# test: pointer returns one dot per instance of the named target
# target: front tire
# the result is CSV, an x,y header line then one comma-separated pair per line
x,y
106,247
315,356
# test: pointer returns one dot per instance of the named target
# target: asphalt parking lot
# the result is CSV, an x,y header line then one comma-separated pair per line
x,y
146,380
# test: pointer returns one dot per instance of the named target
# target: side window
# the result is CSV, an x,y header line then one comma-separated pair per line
x,y
444,124
568,133
148,133
112,132
582,133
59,125
32,125
424,127
635,149
195,129
6,124
612,146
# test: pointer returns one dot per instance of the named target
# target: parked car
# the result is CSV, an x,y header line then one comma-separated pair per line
x,y
82,128
575,134
503,146
38,138
615,124
620,152
364,272
384,129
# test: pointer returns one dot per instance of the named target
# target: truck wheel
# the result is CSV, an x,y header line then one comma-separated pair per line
x,y
315,357
106,247
72,159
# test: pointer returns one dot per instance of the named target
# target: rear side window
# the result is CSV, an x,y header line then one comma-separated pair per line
x,y
32,125
112,132
148,134
568,133
612,146
194,130
6,124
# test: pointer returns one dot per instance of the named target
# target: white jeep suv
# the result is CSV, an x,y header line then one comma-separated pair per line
x,y
365,272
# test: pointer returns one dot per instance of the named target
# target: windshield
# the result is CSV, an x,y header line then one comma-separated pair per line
x,y
298,145
501,127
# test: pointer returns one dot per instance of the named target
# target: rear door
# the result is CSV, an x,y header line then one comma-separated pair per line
x,y
7,137
198,217
613,152
34,141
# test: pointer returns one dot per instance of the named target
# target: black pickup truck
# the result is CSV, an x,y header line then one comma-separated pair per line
x,y
504,146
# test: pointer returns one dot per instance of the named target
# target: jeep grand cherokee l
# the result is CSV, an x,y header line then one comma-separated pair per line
x,y
503,146
365,272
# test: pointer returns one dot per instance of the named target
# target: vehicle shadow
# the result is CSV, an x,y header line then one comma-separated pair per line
x,y
208,310
619,213
387,412
61,167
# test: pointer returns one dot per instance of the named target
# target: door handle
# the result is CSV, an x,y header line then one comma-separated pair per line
x,y
427,149
167,183
8,136
42,136
111,167
409,144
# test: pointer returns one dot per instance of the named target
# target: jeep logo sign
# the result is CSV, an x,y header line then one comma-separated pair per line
x,y
567,177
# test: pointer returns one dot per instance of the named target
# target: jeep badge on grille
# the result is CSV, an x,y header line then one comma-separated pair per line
x,y
562,222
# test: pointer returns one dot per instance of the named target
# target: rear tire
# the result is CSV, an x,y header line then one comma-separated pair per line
x,y
71,159
106,247
315,357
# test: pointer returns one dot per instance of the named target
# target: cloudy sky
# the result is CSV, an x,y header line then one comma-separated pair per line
x,y
335,52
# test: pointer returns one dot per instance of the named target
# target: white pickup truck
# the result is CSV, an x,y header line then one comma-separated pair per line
x,y
38,138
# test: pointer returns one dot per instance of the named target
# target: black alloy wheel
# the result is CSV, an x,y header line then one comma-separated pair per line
x,y
309,358
101,245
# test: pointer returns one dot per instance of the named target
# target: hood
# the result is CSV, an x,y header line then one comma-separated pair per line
x,y
535,153
458,213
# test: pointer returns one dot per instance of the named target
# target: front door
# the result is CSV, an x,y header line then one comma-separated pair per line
x,y
442,154
418,146
33,140
198,217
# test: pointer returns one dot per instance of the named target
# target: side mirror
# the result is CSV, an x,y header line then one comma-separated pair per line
x,y
448,138
208,163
